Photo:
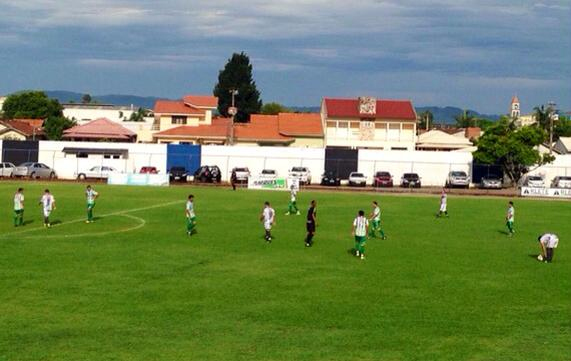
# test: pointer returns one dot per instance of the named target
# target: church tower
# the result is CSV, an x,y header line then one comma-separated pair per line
x,y
515,110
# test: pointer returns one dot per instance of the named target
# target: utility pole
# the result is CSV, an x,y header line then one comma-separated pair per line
x,y
552,115
232,111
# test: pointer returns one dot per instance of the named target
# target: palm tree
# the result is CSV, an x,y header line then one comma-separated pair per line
x,y
139,115
466,119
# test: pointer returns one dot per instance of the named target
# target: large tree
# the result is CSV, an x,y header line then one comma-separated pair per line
x,y
237,75
55,125
466,119
274,108
425,120
32,105
515,150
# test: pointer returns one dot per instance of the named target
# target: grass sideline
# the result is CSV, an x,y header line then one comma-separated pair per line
x,y
437,289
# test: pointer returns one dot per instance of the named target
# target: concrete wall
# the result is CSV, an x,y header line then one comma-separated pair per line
x,y
257,158
560,167
432,167
67,166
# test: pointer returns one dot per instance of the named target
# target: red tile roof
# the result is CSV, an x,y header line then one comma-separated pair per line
x,y
260,128
101,128
386,109
23,127
35,123
300,124
175,107
205,101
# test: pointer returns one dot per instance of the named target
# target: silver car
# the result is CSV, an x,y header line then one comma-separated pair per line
x,y
6,169
458,179
97,172
561,182
34,170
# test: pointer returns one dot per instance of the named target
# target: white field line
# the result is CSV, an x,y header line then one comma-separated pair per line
x,y
118,213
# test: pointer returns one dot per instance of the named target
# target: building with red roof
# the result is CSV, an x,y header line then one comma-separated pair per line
x,y
22,129
191,110
101,129
367,122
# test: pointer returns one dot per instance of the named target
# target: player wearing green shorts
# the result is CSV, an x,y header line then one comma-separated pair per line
x,y
292,206
375,219
19,207
190,216
91,196
510,218
360,228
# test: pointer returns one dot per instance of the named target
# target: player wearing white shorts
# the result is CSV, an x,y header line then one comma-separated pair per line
x,y
443,204
48,204
548,242
268,218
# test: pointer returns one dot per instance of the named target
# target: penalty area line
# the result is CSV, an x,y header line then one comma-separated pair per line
x,y
123,212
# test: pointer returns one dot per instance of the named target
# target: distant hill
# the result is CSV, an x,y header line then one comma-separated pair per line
x,y
446,114
116,99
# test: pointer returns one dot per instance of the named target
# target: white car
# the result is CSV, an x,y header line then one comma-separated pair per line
x,y
301,173
534,181
458,179
268,174
97,172
6,169
561,182
357,179
241,173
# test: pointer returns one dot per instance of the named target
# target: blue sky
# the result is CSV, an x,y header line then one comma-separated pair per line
x,y
471,54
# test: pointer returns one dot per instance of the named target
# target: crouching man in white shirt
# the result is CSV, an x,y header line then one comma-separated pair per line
x,y
548,243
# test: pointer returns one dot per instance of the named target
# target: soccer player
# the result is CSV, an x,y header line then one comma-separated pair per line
x,y
311,223
91,196
360,227
443,206
375,219
19,207
268,218
548,242
48,203
292,206
190,216
510,218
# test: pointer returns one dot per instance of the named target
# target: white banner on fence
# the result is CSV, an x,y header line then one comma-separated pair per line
x,y
546,192
134,179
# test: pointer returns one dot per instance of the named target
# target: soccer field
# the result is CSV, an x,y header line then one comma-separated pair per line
x,y
134,286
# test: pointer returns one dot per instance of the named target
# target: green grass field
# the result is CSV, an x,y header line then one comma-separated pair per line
x,y
134,286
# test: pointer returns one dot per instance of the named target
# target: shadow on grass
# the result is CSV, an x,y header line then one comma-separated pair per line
x,y
25,223
504,232
57,221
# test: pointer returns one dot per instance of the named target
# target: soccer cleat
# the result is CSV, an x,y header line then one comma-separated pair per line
x,y
362,256
357,253
297,214
287,213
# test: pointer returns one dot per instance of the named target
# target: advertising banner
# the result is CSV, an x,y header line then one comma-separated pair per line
x,y
134,179
546,192
267,184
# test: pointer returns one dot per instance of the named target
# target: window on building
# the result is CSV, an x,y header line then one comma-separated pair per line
x,y
177,119
81,155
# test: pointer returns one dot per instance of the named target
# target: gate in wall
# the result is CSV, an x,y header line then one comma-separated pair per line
x,y
183,155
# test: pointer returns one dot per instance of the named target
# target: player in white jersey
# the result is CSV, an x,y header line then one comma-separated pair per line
x,y
268,218
360,228
190,216
375,219
292,206
510,217
91,196
48,204
548,242
443,204
19,207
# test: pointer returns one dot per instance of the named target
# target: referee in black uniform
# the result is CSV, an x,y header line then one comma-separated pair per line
x,y
311,223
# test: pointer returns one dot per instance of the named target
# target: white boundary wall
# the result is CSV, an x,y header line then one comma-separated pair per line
x,y
51,153
1,153
258,158
432,167
561,166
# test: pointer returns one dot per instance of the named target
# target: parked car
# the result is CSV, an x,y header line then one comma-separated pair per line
x,y
97,172
410,180
34,170
149,170
241,174
357,179
458,179
177,173
301,173
6,169
268,174
534,181
383,179
561,182
330,179
208,173
491,182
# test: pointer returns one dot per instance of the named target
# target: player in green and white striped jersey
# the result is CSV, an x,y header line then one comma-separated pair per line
x,y
360,228
375,219
91,196
19,207
190,216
